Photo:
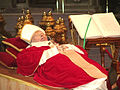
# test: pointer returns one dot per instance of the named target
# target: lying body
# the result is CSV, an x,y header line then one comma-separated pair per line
x,y
66,66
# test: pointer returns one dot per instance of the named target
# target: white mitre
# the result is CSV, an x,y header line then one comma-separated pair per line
x,y
28,30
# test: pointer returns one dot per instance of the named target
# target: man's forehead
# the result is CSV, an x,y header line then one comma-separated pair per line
x,y
39,32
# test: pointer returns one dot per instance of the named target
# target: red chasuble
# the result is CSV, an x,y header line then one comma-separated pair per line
x,y
57,71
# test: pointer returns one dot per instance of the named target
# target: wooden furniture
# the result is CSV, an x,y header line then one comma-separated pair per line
x,y
113,42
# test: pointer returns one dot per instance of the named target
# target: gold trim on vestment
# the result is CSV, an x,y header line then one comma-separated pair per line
x,y
82,63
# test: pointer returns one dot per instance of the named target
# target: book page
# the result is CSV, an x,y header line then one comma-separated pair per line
x,y
107,24
81,21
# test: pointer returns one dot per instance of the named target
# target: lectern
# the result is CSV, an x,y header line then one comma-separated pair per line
x,y
113,42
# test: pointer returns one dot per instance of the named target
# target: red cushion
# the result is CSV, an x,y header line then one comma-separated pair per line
x,y
7,60
13,52
15,43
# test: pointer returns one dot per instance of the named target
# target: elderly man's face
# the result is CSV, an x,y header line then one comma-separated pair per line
x,y
39,37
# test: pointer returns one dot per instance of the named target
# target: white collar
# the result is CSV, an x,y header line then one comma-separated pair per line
x,y
39,44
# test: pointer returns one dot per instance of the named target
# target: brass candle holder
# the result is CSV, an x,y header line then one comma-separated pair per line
x,y
50,32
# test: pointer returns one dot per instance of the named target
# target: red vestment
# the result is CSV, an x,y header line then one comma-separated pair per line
x,y
57,71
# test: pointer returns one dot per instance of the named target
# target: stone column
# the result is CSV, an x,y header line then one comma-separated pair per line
x,y
27,3
90,2
93,2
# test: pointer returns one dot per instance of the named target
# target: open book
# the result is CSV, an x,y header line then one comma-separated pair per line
x,y
101,25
